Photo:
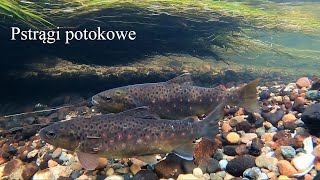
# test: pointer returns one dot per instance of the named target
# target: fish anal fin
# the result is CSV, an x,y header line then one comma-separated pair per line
x,y
183,79
140,112
149,159
185,151
88,161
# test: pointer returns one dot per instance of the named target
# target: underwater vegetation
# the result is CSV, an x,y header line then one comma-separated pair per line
x,y
211,28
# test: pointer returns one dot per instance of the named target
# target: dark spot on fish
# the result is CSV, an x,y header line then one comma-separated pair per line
x,y
118,92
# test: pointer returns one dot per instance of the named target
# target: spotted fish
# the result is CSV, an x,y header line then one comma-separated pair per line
x,y
134,133
176,98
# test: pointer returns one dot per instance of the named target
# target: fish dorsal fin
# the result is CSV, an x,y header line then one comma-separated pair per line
x,y
88,161
140,112
150,159
185,151
183,79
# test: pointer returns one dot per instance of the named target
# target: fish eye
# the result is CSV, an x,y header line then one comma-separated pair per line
x,y
108,99
51,134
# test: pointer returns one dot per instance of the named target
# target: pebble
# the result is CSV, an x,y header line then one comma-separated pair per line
x,y
290,87
286,168
303,82
264,161
213,166
265,94
273,118
135,168
223,164
311,118
110,171
215,177
230,150
123,170
226,127
247,137
233,137
288,152
289,118
56,153
63,157
83,177
114,177
252,173
12,150
145,175
32,154
313,95
236,120
260,131
76,166
237,166
263,176
197,172
52,163
282,177
187,177
303,161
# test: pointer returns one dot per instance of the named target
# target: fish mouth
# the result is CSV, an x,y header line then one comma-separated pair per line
x,y
42,134
94,102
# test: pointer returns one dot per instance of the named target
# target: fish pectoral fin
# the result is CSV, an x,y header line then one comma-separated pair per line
x,y
185,151
88,161
140,112
150,159
183,79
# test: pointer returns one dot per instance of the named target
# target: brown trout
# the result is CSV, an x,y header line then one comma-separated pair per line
x,y
176,98
136,133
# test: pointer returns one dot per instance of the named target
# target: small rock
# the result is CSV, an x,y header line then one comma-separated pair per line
x,y
233,137
226,127
252,173
32,154
263,176
187,177
197,172
290,87
123,170
110,171
256,146
230,150
170,167
223,164
273,118
303,82
12,150
215,177
76,166
52,163
286,168
247,137
311,118
145,175
303,161
43,174
264,161
29,170
102,163
244,126
213,166
242,149
135,168
289,118
114,177
75,174
56,153
264,94
288,152
83,177
238,165
313,94
260,131
282,177
236,120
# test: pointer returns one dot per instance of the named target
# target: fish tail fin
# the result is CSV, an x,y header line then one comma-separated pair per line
x,y
248,97
211,123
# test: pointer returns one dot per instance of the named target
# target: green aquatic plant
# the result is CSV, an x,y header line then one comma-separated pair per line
x,y
24,14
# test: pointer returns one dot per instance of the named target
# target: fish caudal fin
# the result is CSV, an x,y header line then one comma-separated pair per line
x,y
246,97
211,123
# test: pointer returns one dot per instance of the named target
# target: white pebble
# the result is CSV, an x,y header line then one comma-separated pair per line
x,y
197,172
114,177
32,154
223,164
303,161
